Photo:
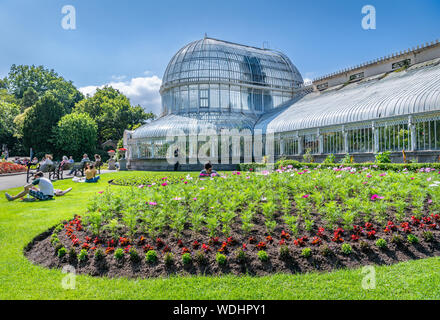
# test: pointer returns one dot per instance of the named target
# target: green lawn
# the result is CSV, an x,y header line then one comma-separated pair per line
x,y
20,222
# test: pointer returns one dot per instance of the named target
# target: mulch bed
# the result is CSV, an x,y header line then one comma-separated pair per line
x,y
41,252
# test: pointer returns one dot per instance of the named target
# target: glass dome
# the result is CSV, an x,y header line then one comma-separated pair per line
x,y
214,75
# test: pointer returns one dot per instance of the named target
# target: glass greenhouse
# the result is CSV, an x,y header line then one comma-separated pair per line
x,y
390,104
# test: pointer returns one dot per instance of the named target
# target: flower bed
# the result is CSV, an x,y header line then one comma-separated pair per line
x,y
286,221
9,167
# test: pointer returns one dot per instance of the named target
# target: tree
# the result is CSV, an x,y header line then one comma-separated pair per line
x,y
76,134
8,112
39,122
30,97
42,80
112,112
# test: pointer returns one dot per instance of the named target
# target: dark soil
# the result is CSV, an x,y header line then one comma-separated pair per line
x,y
40,251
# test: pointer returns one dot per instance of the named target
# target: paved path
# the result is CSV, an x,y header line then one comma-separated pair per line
x,y
19,180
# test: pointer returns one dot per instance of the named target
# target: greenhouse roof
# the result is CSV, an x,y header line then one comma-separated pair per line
x,y
415,90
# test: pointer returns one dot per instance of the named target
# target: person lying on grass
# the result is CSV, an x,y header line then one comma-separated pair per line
x,y
91,174
208,171
46,191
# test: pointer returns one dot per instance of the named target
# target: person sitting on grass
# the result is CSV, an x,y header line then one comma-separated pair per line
x,y
46,191
208,171
91,176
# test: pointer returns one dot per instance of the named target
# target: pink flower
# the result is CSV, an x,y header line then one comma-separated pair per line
x,y
100,192
375,196
306,196
152,203
164,184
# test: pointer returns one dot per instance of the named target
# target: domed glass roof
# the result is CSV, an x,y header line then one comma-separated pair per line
x,y
215,61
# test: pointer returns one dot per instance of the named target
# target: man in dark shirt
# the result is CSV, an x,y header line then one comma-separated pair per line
x,y
208,171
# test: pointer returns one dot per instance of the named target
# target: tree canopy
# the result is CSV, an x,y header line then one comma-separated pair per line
x,y
112,112
76,134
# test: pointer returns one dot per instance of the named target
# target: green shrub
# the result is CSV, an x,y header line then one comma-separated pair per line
x,y
383,157
346,159
186,258
346,249
284,252
151,256
412,239
253,167
61,252
240,255
330,159
58,228
99,254
381,243
83,255
262,255
168,258
428,236
200,257
397,239
306,252
72,254
134,255
325,250
220,258
119,254
364,246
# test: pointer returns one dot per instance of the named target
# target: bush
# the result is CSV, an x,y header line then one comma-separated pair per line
x,y
99,254
168,259
428,236
381,243
306,252
347,159
186,258
325,250
346,249
412,239
262,255
134,255
253,167
72,254
83,255
76,134
364,246
397,239
383,157
240,255
200,257
151,256
220,258
330,159
61,252
119,254
284,252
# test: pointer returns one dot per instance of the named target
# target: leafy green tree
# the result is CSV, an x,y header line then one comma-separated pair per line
x,y
42,80
112,112
8,112
39,122
76,134
30,97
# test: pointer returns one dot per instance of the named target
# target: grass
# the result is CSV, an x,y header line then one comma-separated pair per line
x,y
20,222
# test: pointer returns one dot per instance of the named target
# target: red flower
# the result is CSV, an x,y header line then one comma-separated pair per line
x,y
185,250
206,248
230,240
285,235
141,240
148,247
195,244
415,221
368,225
405,226
320,232
124,241
214,241
180,243
109,250
355,237
166,249
282,242
269,239
244,246
85,245
111,243
316,241
371,234
261,245
252,240
127,249
159,243
88,239
96,241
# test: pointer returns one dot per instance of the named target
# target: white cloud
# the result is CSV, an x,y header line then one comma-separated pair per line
x,y
143,91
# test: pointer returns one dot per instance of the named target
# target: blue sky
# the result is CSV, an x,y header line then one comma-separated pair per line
x,y
129,43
